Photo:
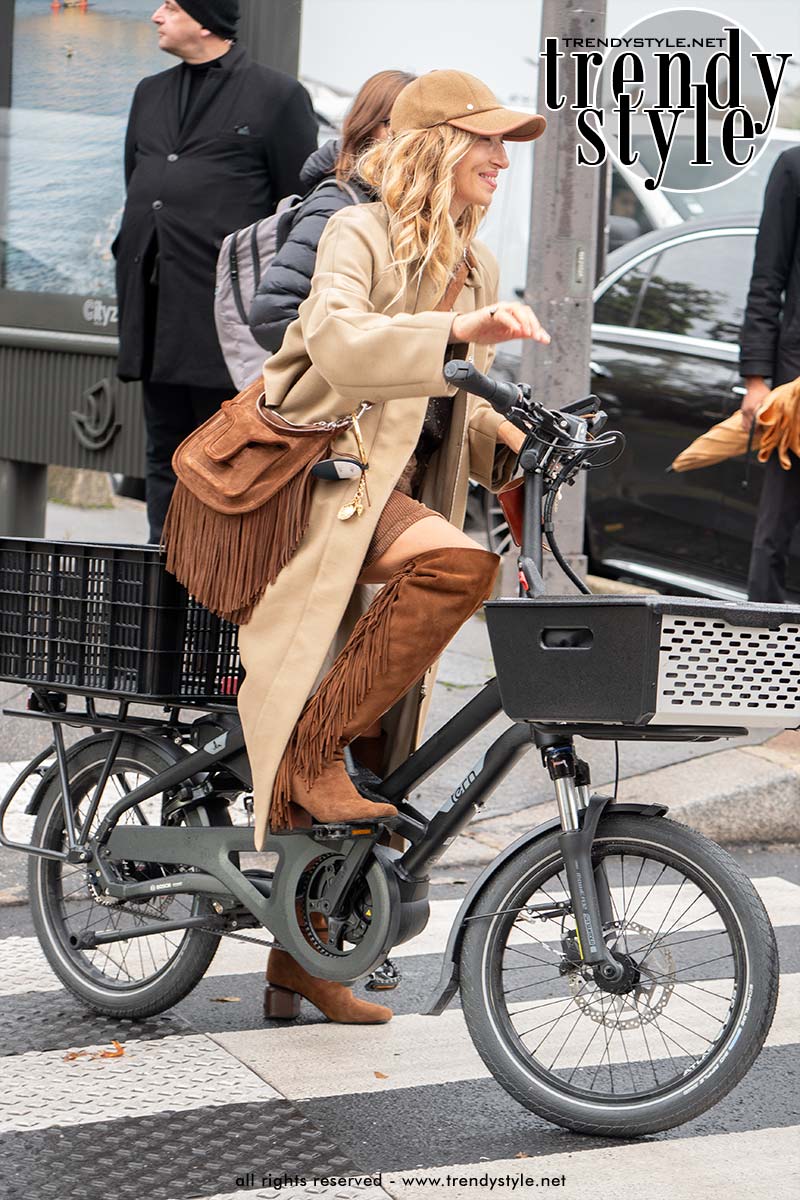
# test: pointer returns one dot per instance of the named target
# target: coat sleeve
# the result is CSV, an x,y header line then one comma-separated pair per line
x,y
491,463
775,250
292,137
287,281
363,354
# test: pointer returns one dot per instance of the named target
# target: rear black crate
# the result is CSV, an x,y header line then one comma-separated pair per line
x,y
647,660
110,621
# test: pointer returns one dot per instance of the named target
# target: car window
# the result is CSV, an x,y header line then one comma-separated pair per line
x,y
618,305
625,203
699,288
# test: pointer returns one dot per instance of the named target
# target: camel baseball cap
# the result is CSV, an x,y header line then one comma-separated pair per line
x,y
458,99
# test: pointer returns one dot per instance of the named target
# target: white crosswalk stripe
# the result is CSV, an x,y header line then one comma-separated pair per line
x,y
413,1051
53,1088
696,1170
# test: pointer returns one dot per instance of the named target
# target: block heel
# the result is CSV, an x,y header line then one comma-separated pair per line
x,y
280,1004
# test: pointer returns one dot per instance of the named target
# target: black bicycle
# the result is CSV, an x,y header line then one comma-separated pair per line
x,y
618,971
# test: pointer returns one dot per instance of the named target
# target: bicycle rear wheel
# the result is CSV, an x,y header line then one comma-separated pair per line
x,y
690,1015
139,976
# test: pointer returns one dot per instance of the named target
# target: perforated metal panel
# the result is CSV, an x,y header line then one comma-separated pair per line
x,y
710,672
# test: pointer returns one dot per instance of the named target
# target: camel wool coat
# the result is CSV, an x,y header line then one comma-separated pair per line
x,y
354,341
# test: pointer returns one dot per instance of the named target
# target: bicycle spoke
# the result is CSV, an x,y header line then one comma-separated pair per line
x,y
129,960
539,983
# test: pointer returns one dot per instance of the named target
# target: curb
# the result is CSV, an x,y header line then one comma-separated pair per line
x,y
750,794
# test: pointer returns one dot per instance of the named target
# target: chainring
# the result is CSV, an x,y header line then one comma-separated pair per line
x,y
360,937
646,1001
316,885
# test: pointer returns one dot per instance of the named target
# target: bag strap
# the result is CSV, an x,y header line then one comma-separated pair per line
x,y
456,284
351,191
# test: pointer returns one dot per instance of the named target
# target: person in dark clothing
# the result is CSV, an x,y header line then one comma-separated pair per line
x,y
287,281
770,350
211,146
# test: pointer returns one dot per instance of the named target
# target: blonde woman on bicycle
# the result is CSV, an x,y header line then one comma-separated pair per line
x,y
383,317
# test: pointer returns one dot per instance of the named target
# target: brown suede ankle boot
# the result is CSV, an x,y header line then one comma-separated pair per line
x,y
393,644
333,797
287,981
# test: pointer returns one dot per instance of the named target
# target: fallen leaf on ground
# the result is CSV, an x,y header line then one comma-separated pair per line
x,y
226,999
380,1075
117,1052
521,1154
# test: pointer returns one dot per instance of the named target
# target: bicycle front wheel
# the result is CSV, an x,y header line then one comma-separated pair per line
x,y
680,1029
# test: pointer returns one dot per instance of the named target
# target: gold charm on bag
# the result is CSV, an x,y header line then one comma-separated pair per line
x,y
355,507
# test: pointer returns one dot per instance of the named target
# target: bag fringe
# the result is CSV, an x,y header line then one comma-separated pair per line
x,y
327,714
228,561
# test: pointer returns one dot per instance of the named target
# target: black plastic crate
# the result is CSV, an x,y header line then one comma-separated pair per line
x,y
647,660
108,619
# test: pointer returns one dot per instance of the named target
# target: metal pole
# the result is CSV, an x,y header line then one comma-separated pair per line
x,y
562,260
23,499
270,32
6,45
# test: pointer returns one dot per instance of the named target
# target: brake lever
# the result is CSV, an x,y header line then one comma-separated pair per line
x,y
582,408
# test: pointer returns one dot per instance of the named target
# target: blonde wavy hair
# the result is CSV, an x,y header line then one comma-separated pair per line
x,y
413,174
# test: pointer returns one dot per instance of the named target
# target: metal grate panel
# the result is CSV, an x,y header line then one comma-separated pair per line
x,y
710,672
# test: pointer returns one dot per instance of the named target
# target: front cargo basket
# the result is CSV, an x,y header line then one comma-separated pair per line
x,y
647,660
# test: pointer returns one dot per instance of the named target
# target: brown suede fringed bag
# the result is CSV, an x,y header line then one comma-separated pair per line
x,y
242,501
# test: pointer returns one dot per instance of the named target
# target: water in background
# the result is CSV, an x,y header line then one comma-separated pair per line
x,y
61,143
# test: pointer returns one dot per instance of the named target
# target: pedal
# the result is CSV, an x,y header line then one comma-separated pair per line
x,y
340,830
384,979
349,829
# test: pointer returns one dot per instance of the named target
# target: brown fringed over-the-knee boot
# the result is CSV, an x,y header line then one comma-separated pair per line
x,y
393,644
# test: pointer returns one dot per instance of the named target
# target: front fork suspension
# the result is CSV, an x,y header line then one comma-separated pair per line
x,y
591,897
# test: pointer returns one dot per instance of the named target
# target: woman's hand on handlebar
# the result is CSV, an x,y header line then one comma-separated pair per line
x,y
498,323
514,438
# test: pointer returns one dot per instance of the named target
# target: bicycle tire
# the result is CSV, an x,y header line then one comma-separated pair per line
x,y
750,1015
186,967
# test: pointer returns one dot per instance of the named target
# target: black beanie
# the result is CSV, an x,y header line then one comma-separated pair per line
x,y
218,16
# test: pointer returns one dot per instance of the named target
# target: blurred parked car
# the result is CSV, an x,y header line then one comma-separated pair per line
x,y
633,211
665,367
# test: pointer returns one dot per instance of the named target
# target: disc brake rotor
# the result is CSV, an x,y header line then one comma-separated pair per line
x,y
645,1001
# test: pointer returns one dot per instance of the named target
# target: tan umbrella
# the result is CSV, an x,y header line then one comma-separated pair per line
x,y
722,441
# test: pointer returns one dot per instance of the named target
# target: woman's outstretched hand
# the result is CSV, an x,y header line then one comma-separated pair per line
x,y
498,323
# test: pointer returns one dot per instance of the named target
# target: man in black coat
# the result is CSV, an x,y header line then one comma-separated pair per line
x,y
212,145
770,349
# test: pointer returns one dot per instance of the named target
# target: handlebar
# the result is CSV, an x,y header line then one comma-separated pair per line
x,y
559,443
502,396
